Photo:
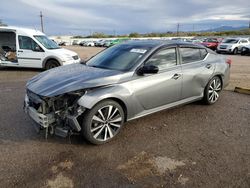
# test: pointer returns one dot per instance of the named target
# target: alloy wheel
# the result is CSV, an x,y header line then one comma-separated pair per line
x,y
214,90
106,123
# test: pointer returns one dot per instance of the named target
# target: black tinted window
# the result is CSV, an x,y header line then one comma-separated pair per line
x,y
163,59
190,55
243,41
26,43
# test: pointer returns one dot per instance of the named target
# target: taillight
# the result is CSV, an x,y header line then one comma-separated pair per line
x,y
229,61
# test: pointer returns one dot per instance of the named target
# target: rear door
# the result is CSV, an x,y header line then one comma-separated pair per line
x,y
196,69
29,53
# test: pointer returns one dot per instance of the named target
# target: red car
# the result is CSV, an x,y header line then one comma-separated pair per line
x,y
211,43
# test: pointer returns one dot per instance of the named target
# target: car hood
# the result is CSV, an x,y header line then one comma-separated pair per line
x,y
63,51
70,78
227,44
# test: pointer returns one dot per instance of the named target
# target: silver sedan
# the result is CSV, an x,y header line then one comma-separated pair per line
x,y
122,83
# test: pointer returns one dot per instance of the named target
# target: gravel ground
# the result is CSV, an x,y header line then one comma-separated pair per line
x,y
190,146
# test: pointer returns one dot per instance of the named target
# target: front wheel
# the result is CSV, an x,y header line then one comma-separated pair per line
x,y
51,64
235,51
103,122
212,90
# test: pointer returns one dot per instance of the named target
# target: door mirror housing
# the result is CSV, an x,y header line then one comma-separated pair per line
x,y
148,69
37,49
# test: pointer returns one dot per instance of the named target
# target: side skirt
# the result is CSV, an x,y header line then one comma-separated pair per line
x,y
167,106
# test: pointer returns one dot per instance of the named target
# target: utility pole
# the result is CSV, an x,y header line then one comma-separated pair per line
x,y
41,17
178,28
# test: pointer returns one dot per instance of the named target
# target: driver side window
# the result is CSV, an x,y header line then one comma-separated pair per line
x,y
27,43
164,59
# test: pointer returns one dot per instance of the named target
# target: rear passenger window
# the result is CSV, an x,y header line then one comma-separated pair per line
x,y
190,55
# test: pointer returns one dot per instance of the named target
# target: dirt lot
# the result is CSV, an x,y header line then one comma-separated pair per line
x,y
172,148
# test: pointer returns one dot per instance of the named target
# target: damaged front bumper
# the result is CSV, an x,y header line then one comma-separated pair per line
x,y
50,122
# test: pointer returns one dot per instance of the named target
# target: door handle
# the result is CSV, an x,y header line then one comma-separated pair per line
x,y
208,66
176,76
19,51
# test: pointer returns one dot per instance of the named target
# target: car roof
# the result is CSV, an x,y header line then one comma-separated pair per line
x,y
20,30
158,43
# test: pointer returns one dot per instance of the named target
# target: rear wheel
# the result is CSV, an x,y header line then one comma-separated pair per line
x,y
103,122
51,64
212,90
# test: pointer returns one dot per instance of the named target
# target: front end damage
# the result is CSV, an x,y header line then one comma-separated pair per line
x,y
59,115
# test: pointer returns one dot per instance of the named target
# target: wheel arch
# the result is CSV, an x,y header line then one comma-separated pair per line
x,y
220,76
49,58
88,103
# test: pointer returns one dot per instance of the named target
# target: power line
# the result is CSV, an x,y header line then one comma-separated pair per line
x,y
41,18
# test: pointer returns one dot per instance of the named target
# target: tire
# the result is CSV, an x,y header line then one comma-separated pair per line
x,y
235,51
212,91
103,122
51,64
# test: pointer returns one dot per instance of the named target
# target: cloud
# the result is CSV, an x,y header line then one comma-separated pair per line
x,y
124,16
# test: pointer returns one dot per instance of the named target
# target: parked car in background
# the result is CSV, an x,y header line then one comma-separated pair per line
x,y
99,43
194,41
75,42
232,45
62,43
107,43
211,43
114,42
245,50
87,43
21,47
122,83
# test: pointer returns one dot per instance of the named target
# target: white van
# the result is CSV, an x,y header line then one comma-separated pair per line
x,y
20,47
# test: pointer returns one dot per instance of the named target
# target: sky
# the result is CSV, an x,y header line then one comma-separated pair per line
x,y
83,17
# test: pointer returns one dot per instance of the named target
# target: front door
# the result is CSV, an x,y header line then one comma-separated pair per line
x,y
29,53
164,87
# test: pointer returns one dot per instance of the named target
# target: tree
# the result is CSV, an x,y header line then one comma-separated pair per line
x,y
134,35
2,24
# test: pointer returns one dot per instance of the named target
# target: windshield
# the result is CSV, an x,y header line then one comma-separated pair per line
x,y
46,42
231,41
120,57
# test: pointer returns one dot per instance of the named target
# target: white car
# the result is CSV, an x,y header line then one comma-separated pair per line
x,y
89,43
20,47
232,45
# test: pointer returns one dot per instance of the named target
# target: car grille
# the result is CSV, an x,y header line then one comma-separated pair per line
x,y
75,57
223,46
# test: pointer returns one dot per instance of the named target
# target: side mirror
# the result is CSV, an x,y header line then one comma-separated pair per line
x,y
148,69
37,49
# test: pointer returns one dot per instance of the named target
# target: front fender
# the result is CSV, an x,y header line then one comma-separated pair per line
x,y
93,96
